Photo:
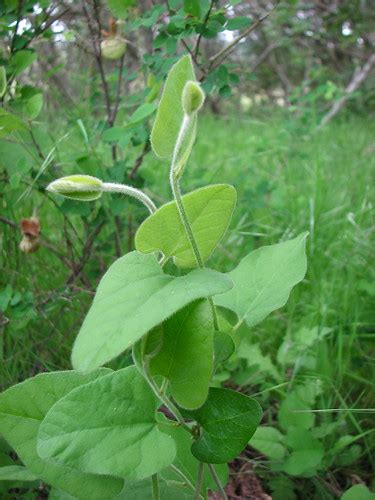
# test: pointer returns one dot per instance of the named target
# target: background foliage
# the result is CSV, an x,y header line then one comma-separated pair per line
x,y
272,73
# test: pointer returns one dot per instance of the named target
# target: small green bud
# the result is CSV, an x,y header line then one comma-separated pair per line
x,y
113,48
77,187
192,97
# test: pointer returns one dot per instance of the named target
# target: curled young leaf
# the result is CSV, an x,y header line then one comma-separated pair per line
x,y
192,98
170,111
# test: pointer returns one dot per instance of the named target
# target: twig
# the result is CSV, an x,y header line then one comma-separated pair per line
x,y
205,21
139,160
358,78
216,60
8,222
98,55
19,10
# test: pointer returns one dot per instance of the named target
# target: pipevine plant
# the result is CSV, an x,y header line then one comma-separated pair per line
x,y
157,427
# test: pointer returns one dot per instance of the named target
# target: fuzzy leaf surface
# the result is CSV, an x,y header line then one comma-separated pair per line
x,y
22,409
170,113
108,427
134,296
209,211
264,279
186,355
228,419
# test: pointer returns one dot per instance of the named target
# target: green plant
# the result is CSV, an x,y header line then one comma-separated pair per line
x,y
92,432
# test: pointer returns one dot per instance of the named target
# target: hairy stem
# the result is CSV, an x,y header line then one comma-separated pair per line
x,y
112,187
217,481
186,480
175,186
198,486
155,487
163,397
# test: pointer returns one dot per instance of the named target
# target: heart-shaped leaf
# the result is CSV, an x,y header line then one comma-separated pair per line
x,y
133,297
209,211
228,419
264,279
186,355
170,113
108,427
22,409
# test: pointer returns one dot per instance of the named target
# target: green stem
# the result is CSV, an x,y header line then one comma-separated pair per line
x,y
113,187
186,480
164,398
155,487
176,191
198,486
217,481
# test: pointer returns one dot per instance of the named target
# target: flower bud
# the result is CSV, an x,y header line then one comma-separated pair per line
x,y
113,48
192,97
77,187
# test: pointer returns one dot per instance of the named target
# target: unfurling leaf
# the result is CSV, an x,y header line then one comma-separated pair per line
x,y
133,297
264,279
170,112
108,427
209,211
192,98
228,420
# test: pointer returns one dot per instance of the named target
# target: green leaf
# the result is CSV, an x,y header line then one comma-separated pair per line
x,y
192,8
237,23
223,347
270,442
209,211
108,427
141,114
10,123
294,408
358,492
16,473
133,297
21,60
264,279
188,464
119,8
254,357
34,106
22,409
186,355
307,453
228,419
3,81
170,113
